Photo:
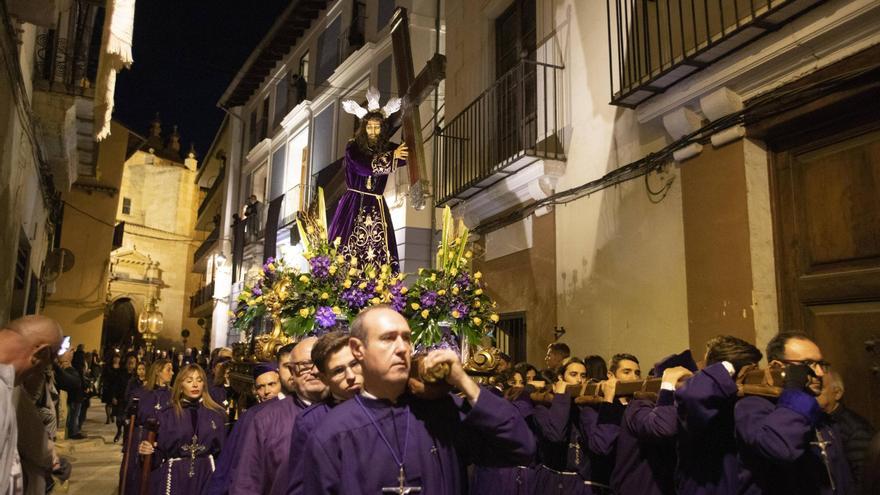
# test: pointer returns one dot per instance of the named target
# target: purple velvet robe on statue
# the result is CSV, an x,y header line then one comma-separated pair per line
x,y
263,451
346,454
174,470
707,453
777,449
362,220
228,460
645,462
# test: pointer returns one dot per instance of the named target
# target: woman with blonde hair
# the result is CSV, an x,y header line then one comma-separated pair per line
x,y
191,434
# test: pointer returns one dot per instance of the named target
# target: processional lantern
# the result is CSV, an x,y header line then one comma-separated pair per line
x,y
150,324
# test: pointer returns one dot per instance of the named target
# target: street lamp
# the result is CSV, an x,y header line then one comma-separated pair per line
x,y
150,324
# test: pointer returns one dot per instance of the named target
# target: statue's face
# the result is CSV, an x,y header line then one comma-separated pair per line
x,y
373,130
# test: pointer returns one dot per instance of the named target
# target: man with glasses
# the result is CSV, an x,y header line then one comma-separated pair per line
x,y
341,373
790,446
266,444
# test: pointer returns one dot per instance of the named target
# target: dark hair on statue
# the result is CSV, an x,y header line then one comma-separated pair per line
x,y
597,369
560,348
736,351
776,347
326,346
360,135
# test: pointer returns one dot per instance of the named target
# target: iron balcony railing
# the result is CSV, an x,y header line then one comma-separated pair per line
x,y
653,44
66,57
207,244
201,297
518,116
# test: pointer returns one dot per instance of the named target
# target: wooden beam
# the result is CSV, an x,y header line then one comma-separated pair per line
x,y
428,79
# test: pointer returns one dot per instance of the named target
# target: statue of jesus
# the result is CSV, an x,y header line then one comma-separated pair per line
x,y
362,220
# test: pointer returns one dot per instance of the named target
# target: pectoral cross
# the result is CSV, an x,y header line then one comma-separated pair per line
x,y
402,489
823,444
577,452
414,89
193,449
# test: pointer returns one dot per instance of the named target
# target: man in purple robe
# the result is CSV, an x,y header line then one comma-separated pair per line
x,y
385,440
791,446
706,447
362,221
265,447
229,460
341,373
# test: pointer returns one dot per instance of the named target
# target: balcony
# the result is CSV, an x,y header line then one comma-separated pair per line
x,y
291,204
211,203
206,247
654,44
512,125
201,303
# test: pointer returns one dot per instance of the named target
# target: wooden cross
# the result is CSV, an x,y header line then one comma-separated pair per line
x,y
402,489
193,449
414,90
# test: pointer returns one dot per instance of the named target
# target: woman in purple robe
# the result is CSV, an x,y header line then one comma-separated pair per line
x,y
362,221
152,397
191,434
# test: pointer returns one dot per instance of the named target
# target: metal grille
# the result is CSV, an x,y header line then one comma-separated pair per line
x,y
653,44
510,336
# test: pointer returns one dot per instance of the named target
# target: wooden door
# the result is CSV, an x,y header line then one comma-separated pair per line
x,y
827,202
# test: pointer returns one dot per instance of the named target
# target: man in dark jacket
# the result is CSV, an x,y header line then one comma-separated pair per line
x,y
67,378
856,431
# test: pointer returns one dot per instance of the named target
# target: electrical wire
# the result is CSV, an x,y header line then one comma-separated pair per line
x,y
113,226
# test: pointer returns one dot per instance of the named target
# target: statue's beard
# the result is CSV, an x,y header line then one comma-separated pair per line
x,y
372,140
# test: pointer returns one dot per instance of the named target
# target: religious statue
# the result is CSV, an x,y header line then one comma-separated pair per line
x,y
362,221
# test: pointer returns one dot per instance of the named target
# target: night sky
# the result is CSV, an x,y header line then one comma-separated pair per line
x,y
186,52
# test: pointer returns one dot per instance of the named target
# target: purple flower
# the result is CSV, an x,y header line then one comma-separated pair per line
x,y
461,307
463,281
355,298
320,266
429,299
325,317
257,291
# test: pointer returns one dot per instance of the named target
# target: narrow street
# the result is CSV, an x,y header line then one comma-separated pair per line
x,y
96,459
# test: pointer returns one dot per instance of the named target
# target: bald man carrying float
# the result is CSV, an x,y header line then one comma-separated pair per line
x,y
27,345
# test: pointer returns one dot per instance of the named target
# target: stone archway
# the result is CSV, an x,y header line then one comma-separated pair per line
x,y
120,324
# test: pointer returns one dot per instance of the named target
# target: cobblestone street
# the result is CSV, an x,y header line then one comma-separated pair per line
x,y
96,459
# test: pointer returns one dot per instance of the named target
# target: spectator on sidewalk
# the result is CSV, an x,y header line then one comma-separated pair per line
x,y
26,346
70,381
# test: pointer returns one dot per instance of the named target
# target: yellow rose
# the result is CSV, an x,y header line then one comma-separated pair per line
x,y
324,295
478,276
456,314
271,267
332,270
415,306
404,290
340,258
336,310
304,312
441,292
425,313
380,286
362,285
304,279
375,300
385,268
347,284
476,304
453,272
494,318
478,292
455,291
352,271
468,255
477,321
433,277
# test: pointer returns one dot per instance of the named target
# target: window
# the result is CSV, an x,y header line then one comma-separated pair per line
x,y
511,336
252,129
281,102
264,120
328,51
304,66
384,79
126,206
386,10
276,185
322,153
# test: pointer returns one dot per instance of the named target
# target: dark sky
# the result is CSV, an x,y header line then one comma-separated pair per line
x,y
186,52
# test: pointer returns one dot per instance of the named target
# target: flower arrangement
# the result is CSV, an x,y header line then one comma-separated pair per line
x,y
449,302
332,292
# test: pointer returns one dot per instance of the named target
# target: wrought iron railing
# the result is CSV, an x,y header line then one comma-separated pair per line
x,y
518,115
291,204
66,57
201,297
207,244
653,44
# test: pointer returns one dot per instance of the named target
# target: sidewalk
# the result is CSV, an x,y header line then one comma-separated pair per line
x,y
95,459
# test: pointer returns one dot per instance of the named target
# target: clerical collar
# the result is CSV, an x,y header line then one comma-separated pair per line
x,y
370,396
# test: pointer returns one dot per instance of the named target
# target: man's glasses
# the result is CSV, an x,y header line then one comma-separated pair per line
x,y
823,365
302,367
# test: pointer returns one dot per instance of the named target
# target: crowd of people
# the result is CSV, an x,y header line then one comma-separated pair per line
x,y
341,414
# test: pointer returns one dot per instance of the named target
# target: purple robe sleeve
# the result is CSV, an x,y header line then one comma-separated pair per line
x,y
496,434
777,432
600,425
324,473
649,421
381,164
552,422
703,396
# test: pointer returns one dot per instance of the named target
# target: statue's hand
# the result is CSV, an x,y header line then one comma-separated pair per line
x,y
401,152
